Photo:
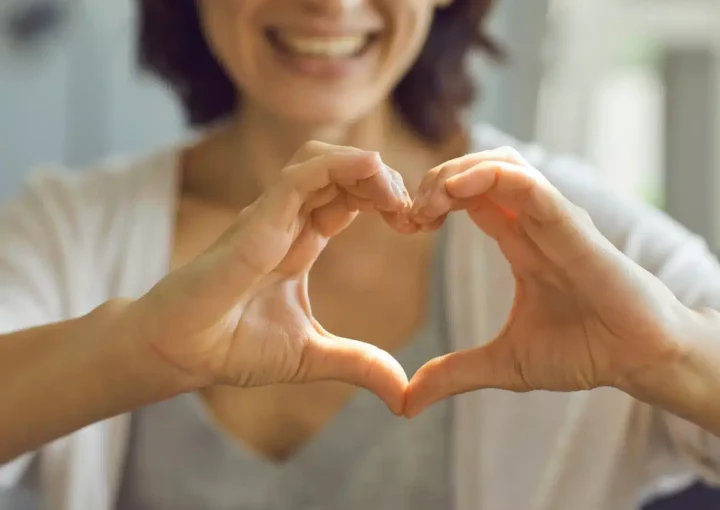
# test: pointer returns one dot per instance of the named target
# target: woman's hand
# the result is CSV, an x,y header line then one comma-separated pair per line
x,y
584,315
240,314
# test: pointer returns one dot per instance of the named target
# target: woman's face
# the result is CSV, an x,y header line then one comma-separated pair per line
x,y
317,61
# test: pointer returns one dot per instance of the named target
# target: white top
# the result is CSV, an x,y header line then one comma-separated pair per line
x,y
73,241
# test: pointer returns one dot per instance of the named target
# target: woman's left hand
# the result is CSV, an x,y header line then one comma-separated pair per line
x,y
584,315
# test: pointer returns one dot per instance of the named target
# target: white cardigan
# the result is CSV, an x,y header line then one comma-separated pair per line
x,y
75,240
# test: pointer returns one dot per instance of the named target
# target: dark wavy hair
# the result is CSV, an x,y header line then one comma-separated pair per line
x,y
431,96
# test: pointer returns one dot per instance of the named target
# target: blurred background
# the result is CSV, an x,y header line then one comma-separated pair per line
x,y
631,85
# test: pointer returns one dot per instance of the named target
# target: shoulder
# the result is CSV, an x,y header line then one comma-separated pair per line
x,y
71,235
75,203
99,189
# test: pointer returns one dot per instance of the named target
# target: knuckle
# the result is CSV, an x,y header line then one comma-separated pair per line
x,y
311,148
510,153
436,172
446,171
289,175
372,160
583,215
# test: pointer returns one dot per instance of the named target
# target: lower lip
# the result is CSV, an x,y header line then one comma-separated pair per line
x,y
321,67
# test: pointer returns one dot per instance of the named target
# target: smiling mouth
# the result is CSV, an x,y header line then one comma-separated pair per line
x,y
321,47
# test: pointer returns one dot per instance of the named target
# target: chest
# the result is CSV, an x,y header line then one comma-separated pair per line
x,y
366,459
363,457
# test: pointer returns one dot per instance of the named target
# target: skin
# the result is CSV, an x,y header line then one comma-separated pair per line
x,y
257,207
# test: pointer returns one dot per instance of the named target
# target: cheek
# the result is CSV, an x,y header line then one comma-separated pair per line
x,y
215,17
229,34
410,31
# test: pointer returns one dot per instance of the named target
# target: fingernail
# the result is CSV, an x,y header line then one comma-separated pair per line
x,y
397,190
396,185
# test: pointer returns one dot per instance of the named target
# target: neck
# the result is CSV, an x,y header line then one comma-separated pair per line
x,y
244,156
273,141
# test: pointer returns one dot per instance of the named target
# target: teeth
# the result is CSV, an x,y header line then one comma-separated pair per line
x,y
345,46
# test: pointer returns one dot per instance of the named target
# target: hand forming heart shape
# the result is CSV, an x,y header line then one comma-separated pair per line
x,y
240,313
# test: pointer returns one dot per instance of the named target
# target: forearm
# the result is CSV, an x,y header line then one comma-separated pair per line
x,y
689,386
59,378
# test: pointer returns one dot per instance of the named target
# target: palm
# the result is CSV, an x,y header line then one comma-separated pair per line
x,y
561,337
279,310
280,316
548,338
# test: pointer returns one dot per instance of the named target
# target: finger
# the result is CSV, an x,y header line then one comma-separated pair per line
x,y
314,148
400,222
333,217
355,203
491,219
385,190
512,240
281,205
563,232
426,185
520,189
429,185
459,372
434,225
436,202
357,363
321,198
447,169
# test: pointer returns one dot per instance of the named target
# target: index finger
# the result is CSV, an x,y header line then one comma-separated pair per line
x,y
433,199
282,204
520,189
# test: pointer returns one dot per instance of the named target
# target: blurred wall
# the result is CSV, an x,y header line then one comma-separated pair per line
x,y
69,93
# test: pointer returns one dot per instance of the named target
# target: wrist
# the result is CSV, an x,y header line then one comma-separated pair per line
x,y
688,383
129,357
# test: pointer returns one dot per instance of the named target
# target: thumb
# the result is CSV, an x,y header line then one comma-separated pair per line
x,y
489,366
328,357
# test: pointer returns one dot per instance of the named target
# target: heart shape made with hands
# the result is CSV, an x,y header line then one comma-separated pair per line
x,y
497,189
567,329
561,334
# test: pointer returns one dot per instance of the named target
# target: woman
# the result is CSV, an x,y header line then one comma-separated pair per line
x,y
176,288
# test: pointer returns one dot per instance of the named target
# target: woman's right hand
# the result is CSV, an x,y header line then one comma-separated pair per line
x,y
239,314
